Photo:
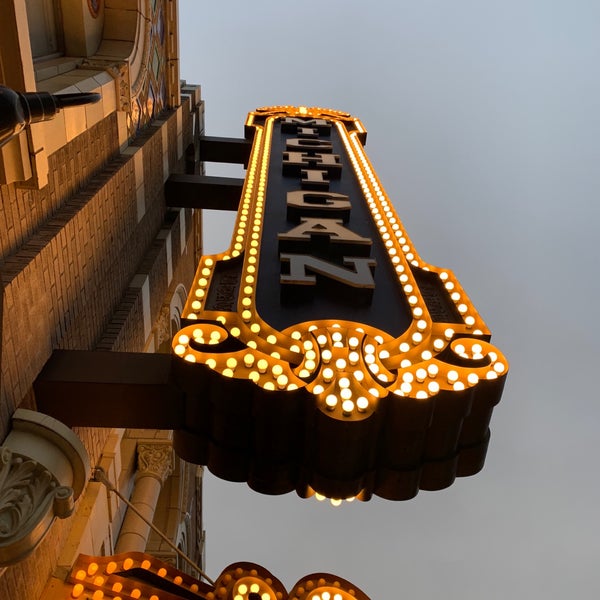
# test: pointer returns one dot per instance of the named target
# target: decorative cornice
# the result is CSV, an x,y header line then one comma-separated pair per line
x,y
155,459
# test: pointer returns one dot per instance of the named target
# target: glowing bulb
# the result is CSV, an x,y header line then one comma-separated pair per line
x,y
433,387
347,406
331,401
359,375
277,370
340,363
362,404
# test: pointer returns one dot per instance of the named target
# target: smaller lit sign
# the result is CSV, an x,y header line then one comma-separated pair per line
x,y
139,576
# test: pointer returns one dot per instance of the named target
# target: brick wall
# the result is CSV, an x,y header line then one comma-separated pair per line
x,y
66,268
23,211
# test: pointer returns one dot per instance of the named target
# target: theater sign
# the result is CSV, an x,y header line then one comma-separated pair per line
x,y
320,352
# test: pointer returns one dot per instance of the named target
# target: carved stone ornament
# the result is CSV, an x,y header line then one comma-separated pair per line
x,y
163,326
43,470
119,71
155,460
30,499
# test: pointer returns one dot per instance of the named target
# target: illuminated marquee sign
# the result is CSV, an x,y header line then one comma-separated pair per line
x,y
320,353
139,576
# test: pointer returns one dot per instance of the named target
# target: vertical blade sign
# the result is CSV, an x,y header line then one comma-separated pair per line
x,y
320,353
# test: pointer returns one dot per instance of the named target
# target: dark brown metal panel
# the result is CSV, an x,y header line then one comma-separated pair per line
x,y
203,191
110,389
225,150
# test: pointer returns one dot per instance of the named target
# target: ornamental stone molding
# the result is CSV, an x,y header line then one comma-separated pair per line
x,y
155,459
163,326
43,470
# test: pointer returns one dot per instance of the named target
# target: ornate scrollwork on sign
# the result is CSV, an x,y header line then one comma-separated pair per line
x,y
155,460
30,498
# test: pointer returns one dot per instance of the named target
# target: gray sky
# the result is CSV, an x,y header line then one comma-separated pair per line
x,y
484,127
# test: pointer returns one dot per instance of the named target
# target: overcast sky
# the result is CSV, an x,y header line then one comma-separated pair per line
x,y
484,127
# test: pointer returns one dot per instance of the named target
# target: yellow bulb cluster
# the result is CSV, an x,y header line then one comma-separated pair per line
x,y
242,579
334,501
265,370
428,375
248,585
345,368
327,595
324,589
98,578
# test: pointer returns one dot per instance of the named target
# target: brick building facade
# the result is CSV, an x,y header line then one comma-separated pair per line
x,y
91,258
